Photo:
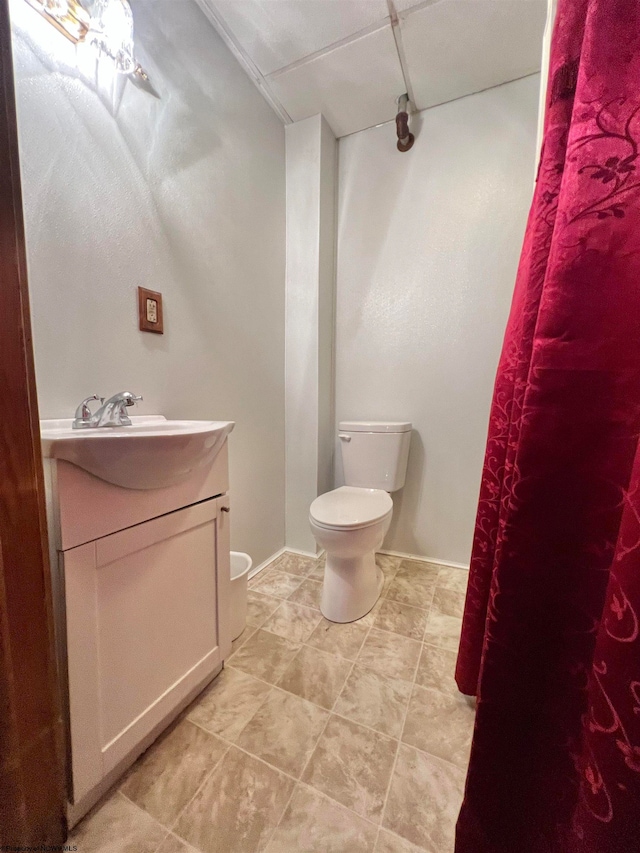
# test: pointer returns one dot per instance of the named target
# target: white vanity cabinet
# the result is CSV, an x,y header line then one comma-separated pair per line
x,y
142,588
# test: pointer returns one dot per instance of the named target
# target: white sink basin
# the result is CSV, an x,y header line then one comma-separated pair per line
x,y
152,453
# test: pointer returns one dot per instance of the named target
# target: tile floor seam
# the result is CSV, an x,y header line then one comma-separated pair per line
x,y
300,780
315,648
311,754
249,755
353,663
302,784
337,802
364,817
293,604
310,580
293,790
267,631
407,636
405,603
251,718
276,595
371,668
189,847
424,633
273,567
395,634
430,754
331,799
147,814
410,606
257,677
363,725
418,848
355,622
196,792
342,657
308,761
393,770
263,761
297,781
330,711
400,736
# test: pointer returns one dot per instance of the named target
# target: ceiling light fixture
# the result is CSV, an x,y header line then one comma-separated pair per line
x,y
111,32
67,16
105,25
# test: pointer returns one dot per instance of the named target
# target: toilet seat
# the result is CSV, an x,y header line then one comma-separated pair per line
x,y
350,508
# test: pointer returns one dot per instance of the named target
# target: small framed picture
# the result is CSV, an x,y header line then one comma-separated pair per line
x,y
150,311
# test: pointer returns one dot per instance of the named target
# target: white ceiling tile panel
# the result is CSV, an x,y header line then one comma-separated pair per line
x,y
354,86
456,47
276,33
403,5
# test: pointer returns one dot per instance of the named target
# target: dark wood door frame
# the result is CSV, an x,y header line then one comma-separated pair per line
x,y
32,777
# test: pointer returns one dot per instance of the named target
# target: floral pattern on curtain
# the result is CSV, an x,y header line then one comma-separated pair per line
x,y
550,641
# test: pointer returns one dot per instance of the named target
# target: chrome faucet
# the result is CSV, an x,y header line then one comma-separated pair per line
x,y
113,413
110,414
83,416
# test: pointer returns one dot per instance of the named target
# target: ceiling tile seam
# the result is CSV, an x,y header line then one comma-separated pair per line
x,y
244,60
402,59
443,103
405,13
485,89
311,57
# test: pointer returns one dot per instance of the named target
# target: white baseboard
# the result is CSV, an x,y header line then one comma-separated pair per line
x,y
302,553
275,556
401,554
257,569
448,563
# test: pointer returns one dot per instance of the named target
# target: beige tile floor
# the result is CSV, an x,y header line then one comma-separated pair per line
x,y
316,737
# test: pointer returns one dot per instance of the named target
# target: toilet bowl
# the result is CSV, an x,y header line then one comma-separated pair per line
x,y
350,522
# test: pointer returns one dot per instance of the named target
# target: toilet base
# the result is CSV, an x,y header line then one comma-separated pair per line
x,y
351,587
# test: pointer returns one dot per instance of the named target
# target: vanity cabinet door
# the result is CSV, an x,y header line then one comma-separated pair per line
x,y
144,629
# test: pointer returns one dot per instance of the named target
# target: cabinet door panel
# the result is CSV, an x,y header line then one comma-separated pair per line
x,y
146,611
156,620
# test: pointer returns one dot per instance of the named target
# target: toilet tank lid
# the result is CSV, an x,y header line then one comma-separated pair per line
x,y
374,426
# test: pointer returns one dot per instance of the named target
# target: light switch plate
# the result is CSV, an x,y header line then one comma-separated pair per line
x,y
150,311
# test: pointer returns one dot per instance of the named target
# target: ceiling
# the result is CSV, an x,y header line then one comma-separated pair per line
x,y
351,59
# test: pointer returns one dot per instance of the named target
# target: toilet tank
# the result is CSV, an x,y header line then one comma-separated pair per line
x,y
375,453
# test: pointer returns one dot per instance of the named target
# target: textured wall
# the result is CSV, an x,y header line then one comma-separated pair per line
x,y
311,179
428,246
184,195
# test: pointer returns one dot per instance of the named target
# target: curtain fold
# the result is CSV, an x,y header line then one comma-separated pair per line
x,y
548,643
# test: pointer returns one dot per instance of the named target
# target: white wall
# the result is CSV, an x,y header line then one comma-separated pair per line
x,y
428,247
184,195
311,181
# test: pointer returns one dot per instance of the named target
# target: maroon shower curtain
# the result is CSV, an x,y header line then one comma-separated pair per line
x,y
550,641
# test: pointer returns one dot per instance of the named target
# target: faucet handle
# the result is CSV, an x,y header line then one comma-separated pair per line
x,y
82,417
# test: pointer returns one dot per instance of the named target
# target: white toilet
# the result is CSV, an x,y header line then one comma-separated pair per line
x,y
350,522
